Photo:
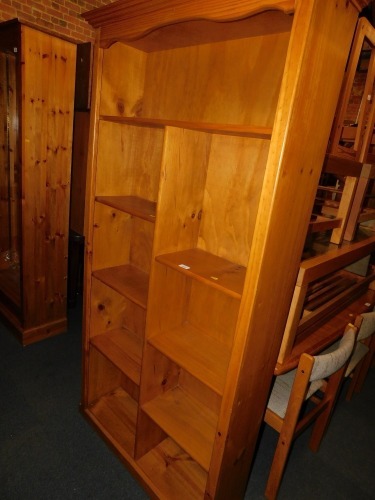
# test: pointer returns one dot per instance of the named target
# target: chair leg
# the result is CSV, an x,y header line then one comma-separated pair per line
x,y
278,465
329,400
353,383
319,429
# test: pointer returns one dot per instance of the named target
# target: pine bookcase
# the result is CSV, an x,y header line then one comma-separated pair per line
x,y
210,121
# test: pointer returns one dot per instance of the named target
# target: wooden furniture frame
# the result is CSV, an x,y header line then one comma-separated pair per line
x,y
362,356
344,213
359,145
350,147
45,82
358,376
312,374
192,237
339,296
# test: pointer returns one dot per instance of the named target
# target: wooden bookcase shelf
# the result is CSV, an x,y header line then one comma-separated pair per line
x,y
187,421
127,280
214,128
212,270
133,205
198,205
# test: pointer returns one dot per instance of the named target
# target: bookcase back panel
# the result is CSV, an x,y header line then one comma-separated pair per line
x,y
231,198
216,83
141,248
182,182
161,373
213,312
184,302
104,376
120,239
122,81
168,308
128,161
200,391
112,237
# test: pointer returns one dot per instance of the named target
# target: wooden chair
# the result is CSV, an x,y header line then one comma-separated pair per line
x,y
363,355
291,390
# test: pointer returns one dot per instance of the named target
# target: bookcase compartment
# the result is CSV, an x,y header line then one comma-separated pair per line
x,y
195,327
120,238
112,402
173,473
210,186
209,80
117,329
183,407
128,162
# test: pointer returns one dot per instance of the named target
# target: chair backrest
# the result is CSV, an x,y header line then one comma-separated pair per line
x,y
327,364
367,326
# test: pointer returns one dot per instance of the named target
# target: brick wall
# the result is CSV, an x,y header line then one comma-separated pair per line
x,y
61,17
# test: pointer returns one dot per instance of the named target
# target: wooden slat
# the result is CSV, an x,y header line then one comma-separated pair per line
x,y
332,306
186,421
212,270
338,165
326,281
202,356
323,224
344,208
319,298
334,259
366,215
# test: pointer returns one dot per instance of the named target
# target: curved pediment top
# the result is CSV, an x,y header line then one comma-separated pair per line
x,y
133,19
